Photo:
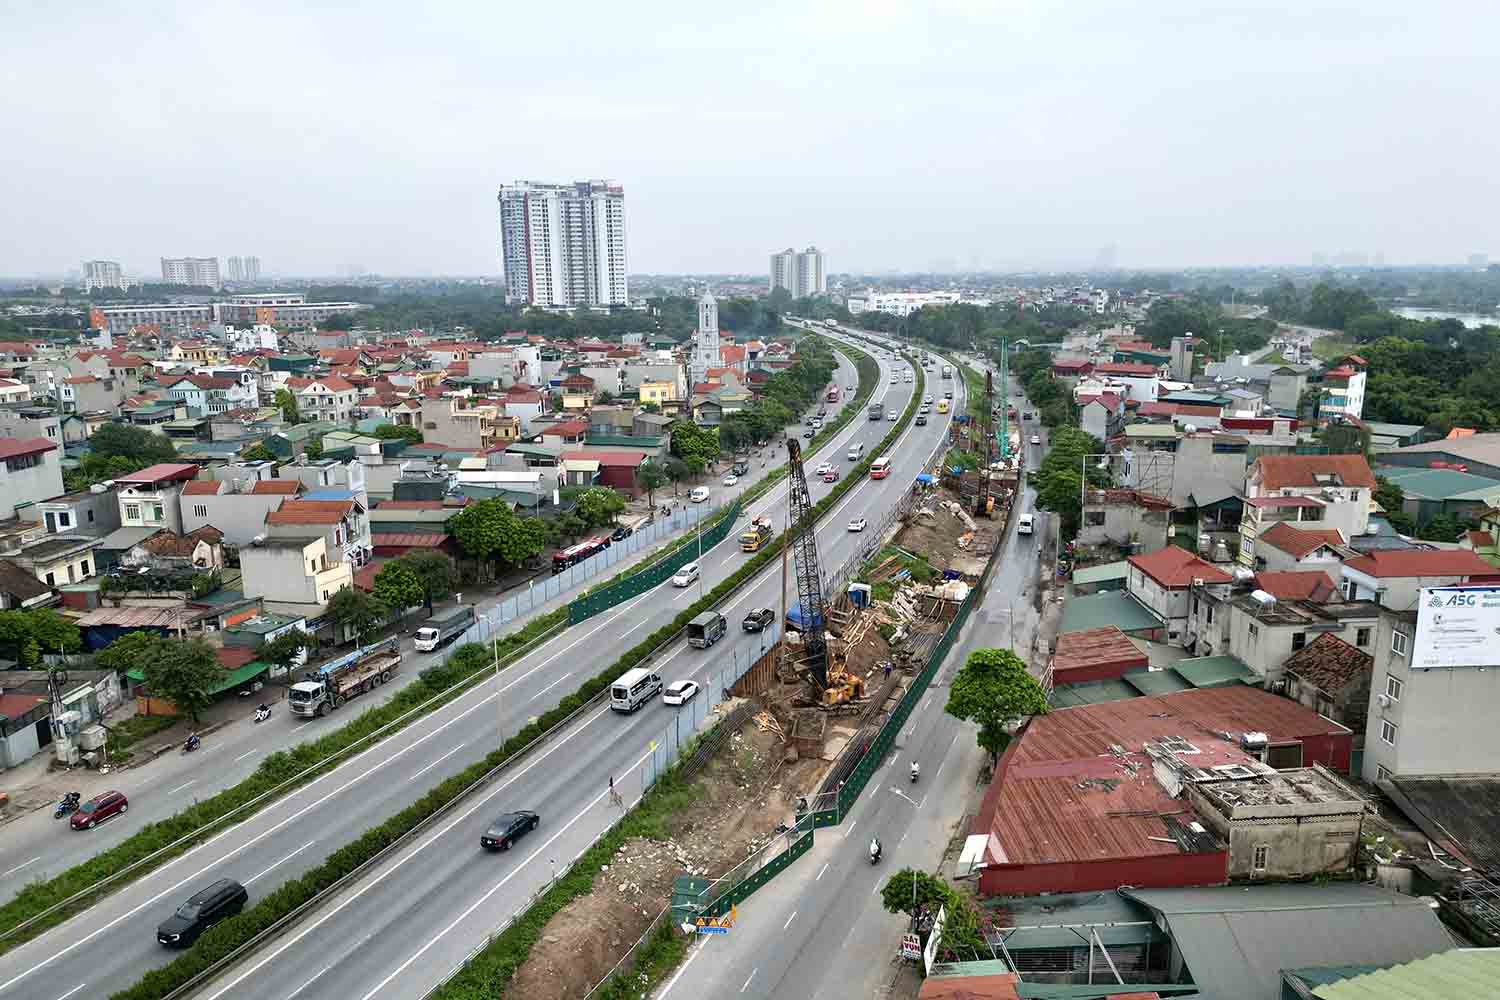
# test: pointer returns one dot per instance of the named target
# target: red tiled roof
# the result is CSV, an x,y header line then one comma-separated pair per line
x,y
1299,541
409,540
1175,567
1071,363
1129,369
161,472
285,487
234,657
202,488
1479,539
16,447
1421,562
1297,585
1293,471
310,512
568,428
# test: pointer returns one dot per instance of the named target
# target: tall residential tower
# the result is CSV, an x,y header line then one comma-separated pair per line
x,y
563,245
800,273
102,274
191,271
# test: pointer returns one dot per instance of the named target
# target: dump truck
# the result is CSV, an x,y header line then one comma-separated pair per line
x,y
328,685
705,630
756,535
441,631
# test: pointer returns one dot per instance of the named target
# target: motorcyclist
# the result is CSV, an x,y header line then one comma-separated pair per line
x,y
263,712
874,848
192,741
915,770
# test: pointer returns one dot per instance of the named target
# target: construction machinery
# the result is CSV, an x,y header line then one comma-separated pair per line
x,y
818,657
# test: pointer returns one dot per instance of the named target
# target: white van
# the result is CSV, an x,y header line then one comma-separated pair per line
x,y
699,494
1026,524
856,452
633,689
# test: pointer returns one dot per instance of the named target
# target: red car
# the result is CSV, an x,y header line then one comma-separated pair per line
x,y
98,809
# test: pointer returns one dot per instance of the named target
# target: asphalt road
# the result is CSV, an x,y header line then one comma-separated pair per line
x,y
37,846
819,929
404,927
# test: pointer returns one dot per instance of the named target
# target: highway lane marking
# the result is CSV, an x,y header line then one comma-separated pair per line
x,y
850,829
18,867
289,857
72,991
822,870
944,761
310,981
789,920
564,677
500,884
182,786
435,763
244,755
748,978
372,882
249,843
683,968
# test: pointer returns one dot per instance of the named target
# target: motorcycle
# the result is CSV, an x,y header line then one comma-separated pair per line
x,y
874,851
914,774
192,743
69,804
262,714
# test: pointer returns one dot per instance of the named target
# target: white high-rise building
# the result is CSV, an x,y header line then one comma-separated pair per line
x,y
234,268
252,268
563,245
191,271
102,274
800,273
706,352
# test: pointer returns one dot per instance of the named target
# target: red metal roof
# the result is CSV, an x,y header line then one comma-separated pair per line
x,y
1129,369
1096,650
310,512
1422,562
630,458
16,447
160,473
409,540
1175,567
13,706
1291,471
234,657
1299,541
286,487
202,488
568,428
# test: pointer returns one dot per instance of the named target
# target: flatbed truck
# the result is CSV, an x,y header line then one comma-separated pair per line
x,y
328,685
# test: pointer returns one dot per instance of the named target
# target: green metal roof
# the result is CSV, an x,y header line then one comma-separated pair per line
x,y
1091,693
1163,431
1441,484
1459,974
1213,671
1114,607
232,679
624,441
1102,574
1155,681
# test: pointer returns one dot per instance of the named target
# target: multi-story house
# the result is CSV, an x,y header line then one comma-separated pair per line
x,y
1332,490
32,472
152,497
344,524
293,573
331,398
1163,582
206,395
1284,548
1342,392
1395,577
237,507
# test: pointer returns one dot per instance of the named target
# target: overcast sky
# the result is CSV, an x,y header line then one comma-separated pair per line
x,y
893,135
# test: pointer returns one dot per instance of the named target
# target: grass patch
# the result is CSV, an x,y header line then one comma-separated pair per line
x,y
920,570
126,734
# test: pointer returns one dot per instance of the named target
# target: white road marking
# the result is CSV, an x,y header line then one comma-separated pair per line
x,y
289,857
495,888
182,786
822,870
683,968
789,920
72,991
249,754
945,756
18,867
850,828
435,763
374,881
555,683
748,978
310,981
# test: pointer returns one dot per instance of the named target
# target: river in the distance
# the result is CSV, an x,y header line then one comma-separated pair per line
x,y
1471,320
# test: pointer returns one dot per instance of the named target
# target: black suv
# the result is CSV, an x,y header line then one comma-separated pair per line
x,y
507,829
224,898
757,619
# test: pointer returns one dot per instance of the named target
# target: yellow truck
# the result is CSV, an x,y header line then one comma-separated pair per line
x,y
757,535
942,406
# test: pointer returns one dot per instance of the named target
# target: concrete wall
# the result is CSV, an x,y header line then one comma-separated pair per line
x,y
241,516
292,575
1170,605
1296,845
1124,523
30,483
1159,872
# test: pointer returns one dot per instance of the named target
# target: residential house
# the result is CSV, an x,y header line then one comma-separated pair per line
x,y
33,472
1341,393
344,525
21,590
206,395
1332,678
577,393
661,392
293,574
617,469
1208,469
31,421
57,560
1125,518
1334,490
458,423
88,394
236,507
567,432
1102,416
1162,581
94,511
523,403
198,551
1394,578
331,398
1298,585
1285,548
13,391
654,425
1263,635
152,497
611,420
1138,380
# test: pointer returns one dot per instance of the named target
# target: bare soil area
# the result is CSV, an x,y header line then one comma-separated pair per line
x,y
734,807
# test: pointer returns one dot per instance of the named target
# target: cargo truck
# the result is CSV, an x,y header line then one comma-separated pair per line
x,y
329,685
877,411
756,536
441,631
705,630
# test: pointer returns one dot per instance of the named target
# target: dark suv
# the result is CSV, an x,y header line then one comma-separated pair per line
x,y
757,619
507,829
224,898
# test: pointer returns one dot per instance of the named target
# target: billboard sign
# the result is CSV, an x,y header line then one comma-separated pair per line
x,y
1457,627
929,954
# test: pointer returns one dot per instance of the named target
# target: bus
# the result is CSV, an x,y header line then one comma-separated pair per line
x,y
881,467
578,553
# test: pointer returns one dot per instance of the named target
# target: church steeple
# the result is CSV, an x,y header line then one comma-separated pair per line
x,y
706,344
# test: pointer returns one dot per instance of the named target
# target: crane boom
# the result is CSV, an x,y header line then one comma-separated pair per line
x,y
804,545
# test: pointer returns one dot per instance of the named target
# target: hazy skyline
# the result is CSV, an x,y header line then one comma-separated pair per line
x,y
999,135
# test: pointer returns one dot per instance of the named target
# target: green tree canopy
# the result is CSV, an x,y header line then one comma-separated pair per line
x,y
258,452
490,532
994,689
435,571
399,432
398,587
286,402
285,648
33,633
695,446
599,506
183,671
652,476
353,610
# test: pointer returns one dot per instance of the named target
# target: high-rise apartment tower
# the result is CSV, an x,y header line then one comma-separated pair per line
x,y
191,271
563,245
102,274
800,273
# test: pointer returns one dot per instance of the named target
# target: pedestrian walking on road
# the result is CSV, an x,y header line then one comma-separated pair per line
x,y
614,796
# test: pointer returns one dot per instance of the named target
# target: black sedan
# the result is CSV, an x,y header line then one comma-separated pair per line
x,y
507,829
757,619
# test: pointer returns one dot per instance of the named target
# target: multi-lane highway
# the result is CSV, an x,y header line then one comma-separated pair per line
x,y
405,926
38,846
819,929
